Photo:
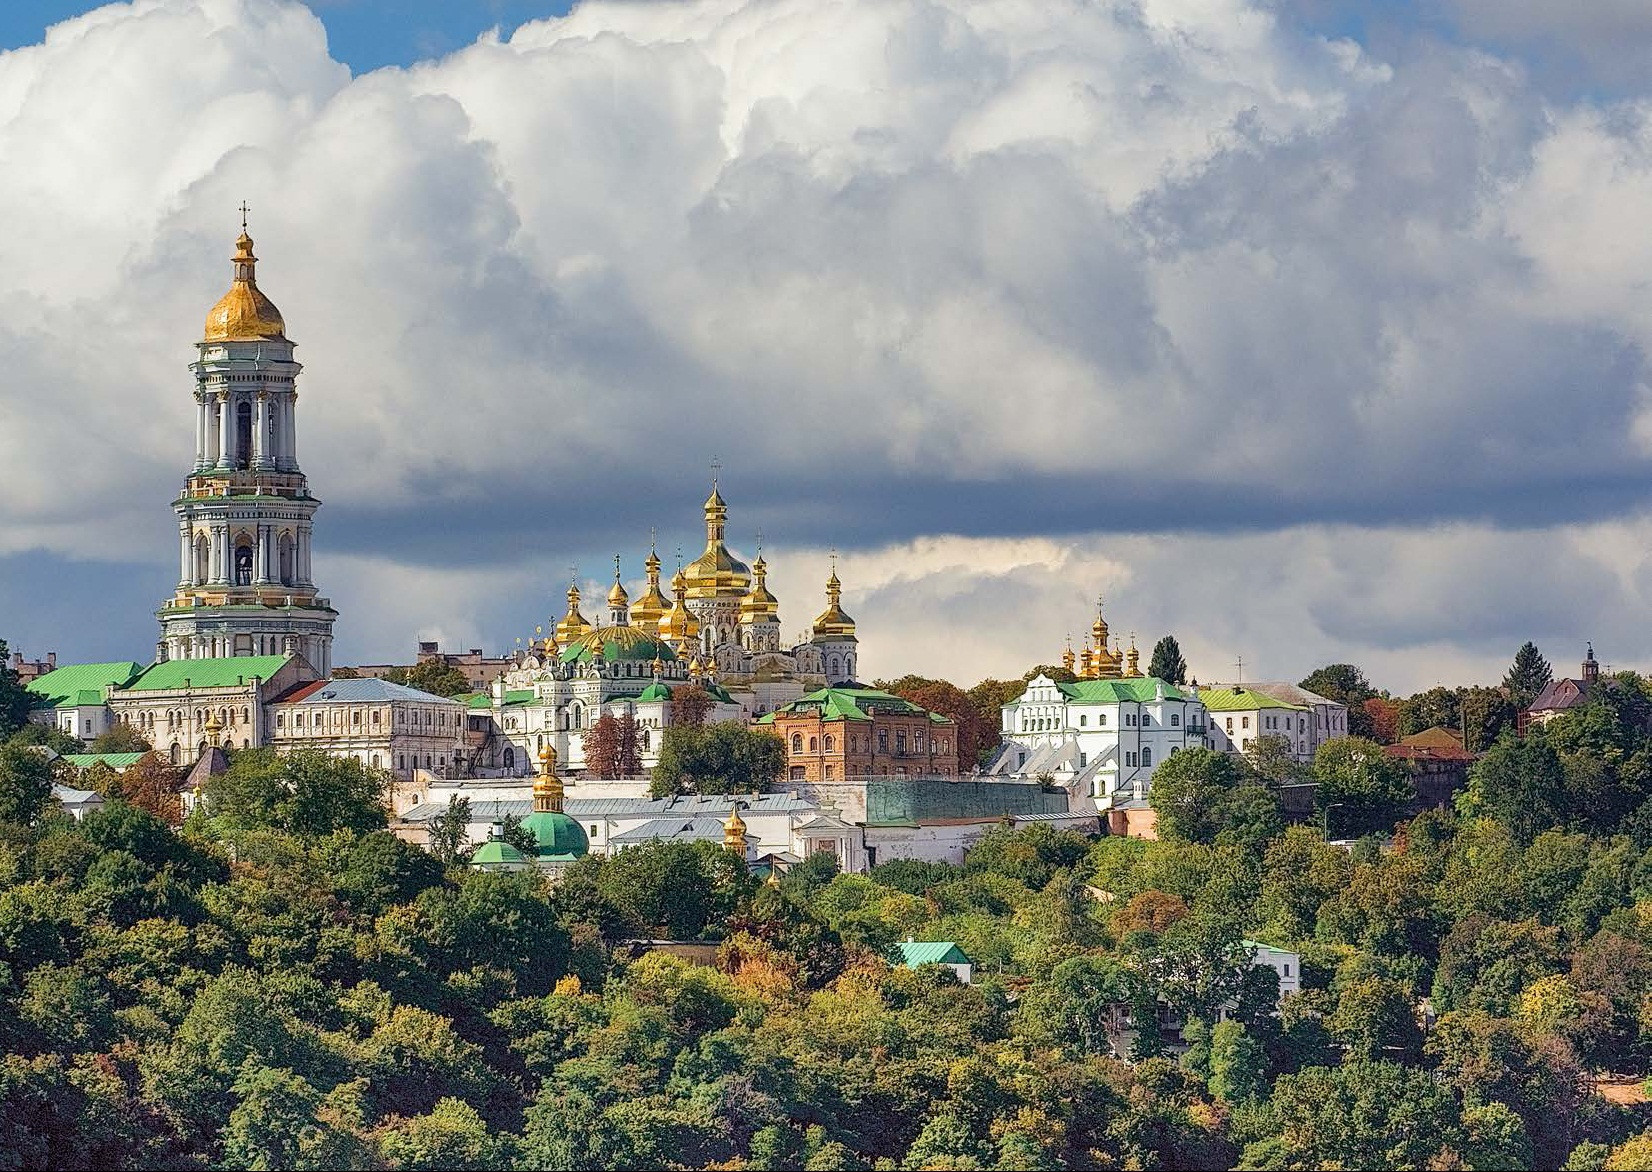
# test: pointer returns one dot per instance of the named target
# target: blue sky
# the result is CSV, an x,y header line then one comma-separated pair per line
x,y
1304,329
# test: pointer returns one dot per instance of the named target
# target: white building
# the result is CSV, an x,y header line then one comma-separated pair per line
x,y
172,703
1239,714
1101,738
383,725
1282,961
1327,718
74,698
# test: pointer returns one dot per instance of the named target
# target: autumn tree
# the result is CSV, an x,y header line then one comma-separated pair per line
x,y
690,705
977,736
612,747
1384,715
1167,663
151,783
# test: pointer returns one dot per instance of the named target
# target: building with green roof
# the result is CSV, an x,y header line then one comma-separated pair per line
x,y
1100,738
185,706
74,697
835,734
1239,716
917,953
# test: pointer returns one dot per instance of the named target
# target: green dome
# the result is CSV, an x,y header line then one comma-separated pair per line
x,y
618,644
654,691
496,852
558,836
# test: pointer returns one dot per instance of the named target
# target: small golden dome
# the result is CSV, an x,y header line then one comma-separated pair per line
x,y
244,314
573,624
833,622
647,611
759,606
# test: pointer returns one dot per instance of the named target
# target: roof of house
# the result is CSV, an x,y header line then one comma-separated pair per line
x,y
208,765
115,761
1291,693
1558,695
673,830
850,704
70,796
208,673
77,685
360,691
1238,698
1432,744
913,953
680,806
1135,690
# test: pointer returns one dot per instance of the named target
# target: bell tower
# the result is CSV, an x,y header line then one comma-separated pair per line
x,y
245,514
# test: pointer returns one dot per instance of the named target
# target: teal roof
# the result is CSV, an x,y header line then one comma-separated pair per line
x,y
475,699
619,645
1135,690
80,685
717,692
654,691
524,696
1241,699
208,673
496,851
115,761
913,953
559,836
848,704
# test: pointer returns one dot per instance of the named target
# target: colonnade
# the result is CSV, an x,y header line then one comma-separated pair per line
x,y
274,431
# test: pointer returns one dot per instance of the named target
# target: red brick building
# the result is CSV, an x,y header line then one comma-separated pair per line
x,y
839,733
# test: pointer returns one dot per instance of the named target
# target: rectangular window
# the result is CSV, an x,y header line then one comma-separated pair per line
x,y
1230,724
1175,720
1083,720
1244,722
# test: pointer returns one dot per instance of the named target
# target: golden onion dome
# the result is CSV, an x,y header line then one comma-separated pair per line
x,y
244,314
617,595
717,573
573,624
678,625
833,622
647,610
759,606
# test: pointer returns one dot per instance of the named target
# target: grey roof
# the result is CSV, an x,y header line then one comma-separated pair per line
x,y
1068,816
70,796
1288,692
673,830
690,806
368,691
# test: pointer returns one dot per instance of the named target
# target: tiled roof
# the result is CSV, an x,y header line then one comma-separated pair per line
x,y
361,691
1558,695
1241,699
1432,744
80,684
208,673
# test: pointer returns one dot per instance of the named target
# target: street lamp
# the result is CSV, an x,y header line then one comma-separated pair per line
x,y
1325,820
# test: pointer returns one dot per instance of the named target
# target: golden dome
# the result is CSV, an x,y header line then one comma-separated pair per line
x,y
244,314
734,831
617,597
759,606
647,611
678,626
573,624
717,573
832,622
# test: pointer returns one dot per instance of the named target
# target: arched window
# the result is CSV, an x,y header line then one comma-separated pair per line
x,y
174,753
243,565
828,744
1147,756
203,560
510,758
243,435
284,556
797,743
812,745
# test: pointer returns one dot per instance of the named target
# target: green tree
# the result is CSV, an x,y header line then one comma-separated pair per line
x,y
1190,792
15,700
1520,783
25,785
1528,675
722,758
1359,787
450,831
1347,685
1361,1115
1438,707
304,793
1238,1064
121,738
1167,663
434,675
1374,1019
512,830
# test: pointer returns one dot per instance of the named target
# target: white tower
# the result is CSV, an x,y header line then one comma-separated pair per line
x,y
244,518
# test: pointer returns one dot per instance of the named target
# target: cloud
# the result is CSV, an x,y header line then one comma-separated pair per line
x,y
924,273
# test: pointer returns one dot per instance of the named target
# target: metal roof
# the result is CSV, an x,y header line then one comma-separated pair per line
x,y
673,830
363,691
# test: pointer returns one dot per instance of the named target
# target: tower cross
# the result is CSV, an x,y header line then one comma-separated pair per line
x,y
716,467
244,209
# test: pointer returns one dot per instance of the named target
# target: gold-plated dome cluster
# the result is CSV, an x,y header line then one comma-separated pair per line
x,y
244,314
717,573
1100,659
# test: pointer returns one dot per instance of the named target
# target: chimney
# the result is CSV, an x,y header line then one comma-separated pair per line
x,y
51,659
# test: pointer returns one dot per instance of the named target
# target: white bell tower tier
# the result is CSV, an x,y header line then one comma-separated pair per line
x,y
245,515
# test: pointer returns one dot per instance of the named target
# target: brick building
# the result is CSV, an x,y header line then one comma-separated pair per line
x,y
839,733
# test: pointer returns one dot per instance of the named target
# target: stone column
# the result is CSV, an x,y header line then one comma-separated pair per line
x,y
292,430
186,556
200,432
226,430
261,431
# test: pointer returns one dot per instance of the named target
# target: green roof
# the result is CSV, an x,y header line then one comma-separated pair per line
x,y
115,761
559,836
913,953
80,684
847,704
524,696
1241,699
654,691
1135,690
475,699
208,673
496,850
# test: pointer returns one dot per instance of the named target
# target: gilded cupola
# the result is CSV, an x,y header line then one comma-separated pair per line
x,y
647,611
717,573
573,624
759,606
833,623
244,314
619,602
679,627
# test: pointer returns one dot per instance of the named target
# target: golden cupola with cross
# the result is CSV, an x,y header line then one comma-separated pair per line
x,y
717,573
652,605
573,625
1100,660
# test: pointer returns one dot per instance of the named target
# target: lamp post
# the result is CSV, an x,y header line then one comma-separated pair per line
x,y
1325,820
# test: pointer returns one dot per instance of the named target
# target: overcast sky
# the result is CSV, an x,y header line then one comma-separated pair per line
x,y
1307,330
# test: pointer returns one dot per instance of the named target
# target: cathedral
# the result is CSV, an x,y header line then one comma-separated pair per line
x,y
245,513
1099,659
720,629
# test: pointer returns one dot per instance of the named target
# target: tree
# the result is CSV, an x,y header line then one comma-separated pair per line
x,y
151,783
1528,675
15,700
690,705
1061,675
1484,713
25,784
1435,708
434,675
1360,788
1190,793
1521,784
1167,663
1347,685
1361,1115
304,793
722,758
450,830
612,748
977,735
512,831
1384,715
121,738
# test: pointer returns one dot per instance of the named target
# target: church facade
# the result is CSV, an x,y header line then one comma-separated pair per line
x,y
245,586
